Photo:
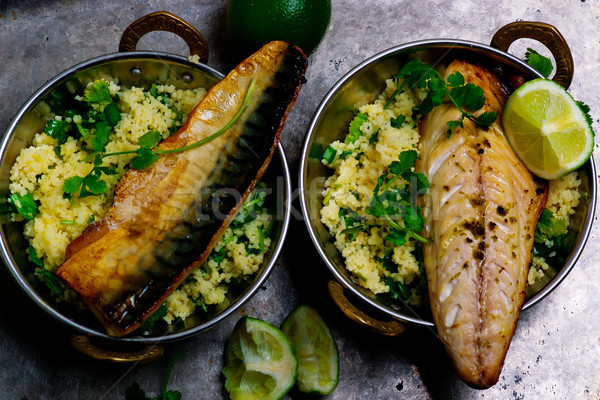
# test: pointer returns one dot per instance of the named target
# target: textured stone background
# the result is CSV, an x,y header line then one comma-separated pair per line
x,y
556,350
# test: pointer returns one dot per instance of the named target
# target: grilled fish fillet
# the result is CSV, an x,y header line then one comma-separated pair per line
x,y
165,219
481,212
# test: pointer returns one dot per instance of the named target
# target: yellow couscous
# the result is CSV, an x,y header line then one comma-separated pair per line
x,y
356,168
40,171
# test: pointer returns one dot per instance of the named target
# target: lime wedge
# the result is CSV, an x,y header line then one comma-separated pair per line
x,y
317,353
260,362
547,129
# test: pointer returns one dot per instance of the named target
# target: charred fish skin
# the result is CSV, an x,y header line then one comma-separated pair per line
x,y
147,244
481,211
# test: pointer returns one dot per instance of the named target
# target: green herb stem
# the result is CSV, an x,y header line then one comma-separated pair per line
x,y
168,375
418,237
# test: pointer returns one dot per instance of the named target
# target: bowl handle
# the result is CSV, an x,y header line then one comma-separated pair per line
x,y
165,21
149,353
546,34
389,328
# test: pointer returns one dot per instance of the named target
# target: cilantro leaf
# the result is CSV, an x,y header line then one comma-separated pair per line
x,y
398,122
34,256
144,158
541,64
135,392
387,260
418,181
51,281
25,205
354,131
398,291
97,93
452,125
92,184
486,118
398,237
456,79
160,313
469,95
100,136
413,218
398,206
72,185
586,110
549,226
57,129
406,160
416,73
112,114
435,96
150,139
106,170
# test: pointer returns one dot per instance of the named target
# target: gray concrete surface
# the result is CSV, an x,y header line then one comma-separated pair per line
x,y
556,350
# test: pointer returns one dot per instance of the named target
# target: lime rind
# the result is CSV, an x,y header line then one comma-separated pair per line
x,y
260,362
561,139
316,350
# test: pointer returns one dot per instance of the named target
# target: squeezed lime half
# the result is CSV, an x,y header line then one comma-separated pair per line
x,y
317,353
260,362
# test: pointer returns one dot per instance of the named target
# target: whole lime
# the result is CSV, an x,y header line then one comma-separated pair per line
x,y
300,22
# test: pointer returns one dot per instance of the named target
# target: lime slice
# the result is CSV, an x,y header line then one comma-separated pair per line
x,y
318,361
260,362
547,129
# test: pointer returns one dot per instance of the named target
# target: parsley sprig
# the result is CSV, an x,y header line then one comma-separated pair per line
x,y
398,206
467,97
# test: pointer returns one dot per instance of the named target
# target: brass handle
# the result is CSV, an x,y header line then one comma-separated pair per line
x,y
149,353
389,328
165,21
546,34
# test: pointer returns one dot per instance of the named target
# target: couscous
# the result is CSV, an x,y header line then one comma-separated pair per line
x,y
386,269
66,150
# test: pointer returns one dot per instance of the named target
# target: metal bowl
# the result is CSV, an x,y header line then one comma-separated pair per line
x,y
139,68
362,85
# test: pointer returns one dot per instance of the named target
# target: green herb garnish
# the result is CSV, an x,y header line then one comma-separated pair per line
x,y
398,206
398,291
148,324
50,280
97,93
112,114
468,98
398,122
353,222
550,235
354,131
33,255
24,205
329,155
57,129
541,64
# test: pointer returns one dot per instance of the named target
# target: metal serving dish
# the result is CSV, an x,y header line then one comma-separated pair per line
x,y
362,85
139,68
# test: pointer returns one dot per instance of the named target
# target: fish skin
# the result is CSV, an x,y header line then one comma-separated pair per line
x,y
481,211
164,219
